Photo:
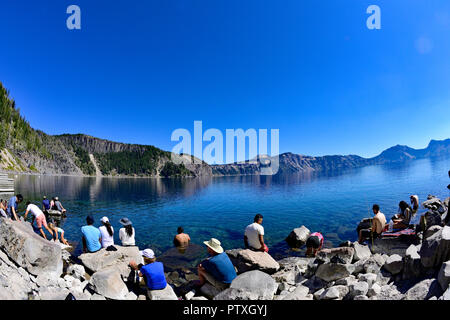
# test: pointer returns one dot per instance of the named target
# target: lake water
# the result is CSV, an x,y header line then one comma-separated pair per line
x,y
221,207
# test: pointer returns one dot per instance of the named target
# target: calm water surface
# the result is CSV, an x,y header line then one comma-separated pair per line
x,y
221,207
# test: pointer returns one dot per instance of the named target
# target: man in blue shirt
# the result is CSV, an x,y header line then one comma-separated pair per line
x,y
45,204
218,269
13,204
91,236
152,271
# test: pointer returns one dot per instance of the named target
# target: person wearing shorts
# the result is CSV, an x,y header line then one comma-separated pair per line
x,y
378,224
39,217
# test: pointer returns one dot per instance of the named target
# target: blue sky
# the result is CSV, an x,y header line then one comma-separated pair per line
x,y
140,69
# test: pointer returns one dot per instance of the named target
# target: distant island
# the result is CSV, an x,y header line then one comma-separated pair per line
x,y
26,150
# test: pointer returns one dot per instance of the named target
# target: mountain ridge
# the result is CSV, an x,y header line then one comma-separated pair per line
x,y
27,150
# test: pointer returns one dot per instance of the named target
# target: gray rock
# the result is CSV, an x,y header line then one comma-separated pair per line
x,y
209,291
362,252
334,293
199,298
108,283
370,278
77,271
118,259
394,264
361,297
359,266
412,266
359,288
374,264
300,293
435,250
131,296
346,281
246,260
314,283
53,293
390,292
446,295
28,250
96,296
374,290
431,231
297,238
251,285
342,255
318,293
424,290
165,294
444,275
334,271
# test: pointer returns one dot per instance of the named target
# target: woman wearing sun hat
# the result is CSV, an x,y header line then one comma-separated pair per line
x,y
218,269
126,234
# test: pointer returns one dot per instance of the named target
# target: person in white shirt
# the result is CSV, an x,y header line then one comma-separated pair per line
x,y
107,232
254,235
39,217
126,234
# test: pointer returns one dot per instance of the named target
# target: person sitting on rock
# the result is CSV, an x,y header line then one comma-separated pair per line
x,y
58,232
151,271
45,205
182,239
3,206
254,235
378,224
13,205
314,244
126,234
58,205
91,236
107,232
403,218
414,202
39,217
218,270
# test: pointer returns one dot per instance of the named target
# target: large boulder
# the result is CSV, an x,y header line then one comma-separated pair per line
x,y
394,264
165,294
412,267
251,285
362,252
118,259
246,260
337,255
297,238
15,283
333,271
444,275
424,290
28,250
334,293
391,245
435,250
300,293
108,283
374,264
359,288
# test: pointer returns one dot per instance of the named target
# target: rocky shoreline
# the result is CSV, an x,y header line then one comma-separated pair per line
x,y
32,268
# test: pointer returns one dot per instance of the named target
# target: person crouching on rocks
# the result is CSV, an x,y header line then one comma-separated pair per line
x,y
39,217
152,271
218,269
378,224
58,232
314,244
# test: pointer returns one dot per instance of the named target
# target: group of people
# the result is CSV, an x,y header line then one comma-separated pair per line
x,y
10,210
400,221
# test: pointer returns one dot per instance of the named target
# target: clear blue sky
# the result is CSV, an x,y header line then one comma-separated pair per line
x,y
140,69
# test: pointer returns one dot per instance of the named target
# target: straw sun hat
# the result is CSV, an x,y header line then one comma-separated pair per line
x,y
214,244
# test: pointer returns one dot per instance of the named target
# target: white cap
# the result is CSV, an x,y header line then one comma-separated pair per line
x,y
104,219
148,253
